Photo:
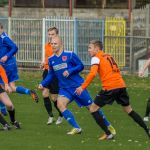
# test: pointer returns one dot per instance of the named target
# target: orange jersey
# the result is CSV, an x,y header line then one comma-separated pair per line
x,y
3,75
48,53
108,71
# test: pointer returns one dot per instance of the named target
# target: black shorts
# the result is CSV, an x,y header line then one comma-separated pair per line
x,y
53,87
108,97
1,90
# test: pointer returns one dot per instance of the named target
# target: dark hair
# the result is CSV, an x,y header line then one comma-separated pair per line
x,y
1,26
53,28
97,43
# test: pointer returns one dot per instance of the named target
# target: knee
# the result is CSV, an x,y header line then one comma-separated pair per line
x,y
93,108
10,107
45,93
127,109
61,106
13,88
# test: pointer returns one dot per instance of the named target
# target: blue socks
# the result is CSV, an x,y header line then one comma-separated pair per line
x,y
3,109
106,122
22,90
70,118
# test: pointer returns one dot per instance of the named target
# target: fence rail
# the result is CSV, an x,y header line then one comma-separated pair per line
x,y
31,34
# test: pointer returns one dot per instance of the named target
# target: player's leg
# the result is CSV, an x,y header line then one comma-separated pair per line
x,y
107,123
62,102
54,90
146,117
137,118
48,105
85,100
3,109
4,123
6,100
22,90
54,99
122,98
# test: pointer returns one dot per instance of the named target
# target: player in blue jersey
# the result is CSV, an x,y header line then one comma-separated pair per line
x,y
8,49
66,66
7,102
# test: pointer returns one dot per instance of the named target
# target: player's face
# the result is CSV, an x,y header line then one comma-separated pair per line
x,y
91,49
51,34
56,45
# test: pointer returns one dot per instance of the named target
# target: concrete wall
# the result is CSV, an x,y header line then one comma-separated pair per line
x,y
79,13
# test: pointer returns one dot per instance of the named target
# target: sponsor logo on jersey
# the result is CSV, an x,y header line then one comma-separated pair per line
x,y
60,66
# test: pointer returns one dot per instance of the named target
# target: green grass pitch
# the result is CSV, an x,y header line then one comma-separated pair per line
x,y
36,135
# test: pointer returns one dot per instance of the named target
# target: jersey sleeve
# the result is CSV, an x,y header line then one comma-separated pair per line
x,y
93,71
90,76
95,61
11,46
3,75
76,63
49,77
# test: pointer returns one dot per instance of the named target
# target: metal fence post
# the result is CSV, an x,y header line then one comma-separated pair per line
x,y
43,39
103,29
131,45
9,26
76,35
147,20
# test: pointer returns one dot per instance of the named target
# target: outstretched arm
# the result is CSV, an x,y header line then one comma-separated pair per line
x,y
141,72
88,80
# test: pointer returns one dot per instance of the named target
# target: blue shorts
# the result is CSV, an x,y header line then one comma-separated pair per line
x,y
83,100
12,73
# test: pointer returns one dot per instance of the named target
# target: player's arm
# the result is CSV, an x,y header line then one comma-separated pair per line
x,y
141,72
3,75
44,61
48,78
91,75
77,64
11,46
5,79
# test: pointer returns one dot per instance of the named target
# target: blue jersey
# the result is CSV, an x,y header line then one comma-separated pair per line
x,y
7,48
67,61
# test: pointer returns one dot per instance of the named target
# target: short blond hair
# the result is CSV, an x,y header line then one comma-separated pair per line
x,y
97,43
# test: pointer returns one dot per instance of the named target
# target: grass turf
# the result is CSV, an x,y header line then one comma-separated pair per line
x,y
36,135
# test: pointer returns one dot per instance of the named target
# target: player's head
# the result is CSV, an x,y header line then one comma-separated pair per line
x,y
1,28
94,47
56,43
52,32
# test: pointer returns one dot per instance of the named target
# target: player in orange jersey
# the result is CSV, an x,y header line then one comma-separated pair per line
x,y
53,87
7,102
141,74
113,86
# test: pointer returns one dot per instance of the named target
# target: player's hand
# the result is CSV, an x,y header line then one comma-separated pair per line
x,y
66,73
141,73
42,65
4,59
79,90
40,87
8,88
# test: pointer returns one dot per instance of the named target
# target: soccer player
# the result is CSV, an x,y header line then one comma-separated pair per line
x,y
7,102
141,74
7,59
113,85
53,87
66,66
